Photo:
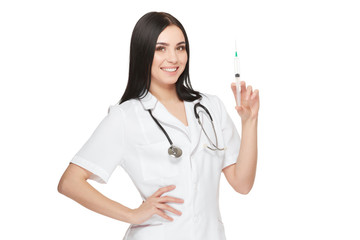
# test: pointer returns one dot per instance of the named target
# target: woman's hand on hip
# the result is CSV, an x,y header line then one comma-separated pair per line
x,y
155,204
250,102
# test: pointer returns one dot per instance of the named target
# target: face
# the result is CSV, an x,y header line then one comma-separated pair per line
x,y
170,57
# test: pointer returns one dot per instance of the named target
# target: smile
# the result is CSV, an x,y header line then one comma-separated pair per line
x,y
173,69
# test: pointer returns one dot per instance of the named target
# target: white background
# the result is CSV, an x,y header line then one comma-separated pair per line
x,y
62,63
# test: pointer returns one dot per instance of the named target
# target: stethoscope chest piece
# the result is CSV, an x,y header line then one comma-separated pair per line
x,y
174,151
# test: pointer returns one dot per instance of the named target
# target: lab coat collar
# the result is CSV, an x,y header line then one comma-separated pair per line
x,y
160,112
148,101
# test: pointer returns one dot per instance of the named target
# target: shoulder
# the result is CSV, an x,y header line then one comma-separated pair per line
x,y
210,97
212,100
123,107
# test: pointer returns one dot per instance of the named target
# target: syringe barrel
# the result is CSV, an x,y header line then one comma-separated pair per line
x,y
237,66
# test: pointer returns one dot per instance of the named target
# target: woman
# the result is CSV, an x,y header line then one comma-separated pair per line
x,y
179,184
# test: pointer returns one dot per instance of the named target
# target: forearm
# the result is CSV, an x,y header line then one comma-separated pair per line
x,y
245,169
82,192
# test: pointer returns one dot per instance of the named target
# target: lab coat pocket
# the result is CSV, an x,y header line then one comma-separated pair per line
x,y
155,161
208,153
211,160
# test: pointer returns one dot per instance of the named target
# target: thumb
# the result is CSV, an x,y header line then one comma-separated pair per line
x,y
240,109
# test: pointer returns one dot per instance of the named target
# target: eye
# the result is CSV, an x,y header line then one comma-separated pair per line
x,y
160,48
181,48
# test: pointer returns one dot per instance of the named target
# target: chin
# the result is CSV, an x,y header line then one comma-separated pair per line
x,y
170,81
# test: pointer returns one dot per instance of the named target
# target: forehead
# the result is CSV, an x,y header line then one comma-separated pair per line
x,y
171,34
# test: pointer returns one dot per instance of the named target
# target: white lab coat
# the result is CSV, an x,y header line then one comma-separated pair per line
x,y
130,138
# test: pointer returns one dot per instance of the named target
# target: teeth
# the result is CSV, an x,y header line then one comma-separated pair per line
x,y
169,69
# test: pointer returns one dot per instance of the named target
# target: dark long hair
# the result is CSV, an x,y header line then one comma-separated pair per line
x,y
142,48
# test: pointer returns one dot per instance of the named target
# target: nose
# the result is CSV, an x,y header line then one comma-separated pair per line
x,y
172,56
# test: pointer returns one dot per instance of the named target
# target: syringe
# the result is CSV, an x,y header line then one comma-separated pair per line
x,y
237,77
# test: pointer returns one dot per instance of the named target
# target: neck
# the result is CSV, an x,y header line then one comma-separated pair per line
x,y
165,95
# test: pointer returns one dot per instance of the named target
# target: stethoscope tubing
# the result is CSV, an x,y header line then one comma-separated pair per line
x,y
176,151
157,122
202,127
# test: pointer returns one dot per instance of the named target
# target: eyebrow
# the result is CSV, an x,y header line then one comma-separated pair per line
x,y
166,44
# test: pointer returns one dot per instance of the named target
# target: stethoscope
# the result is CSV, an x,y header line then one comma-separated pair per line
x,y
176,151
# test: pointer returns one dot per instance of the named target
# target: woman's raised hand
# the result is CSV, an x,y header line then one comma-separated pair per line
x,y
155,204
249,108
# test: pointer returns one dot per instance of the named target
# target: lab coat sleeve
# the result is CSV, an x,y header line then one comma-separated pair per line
x,y
102,152
230,135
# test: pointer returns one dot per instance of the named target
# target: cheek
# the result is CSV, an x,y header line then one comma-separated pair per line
x,y
155,64
184,58
156,61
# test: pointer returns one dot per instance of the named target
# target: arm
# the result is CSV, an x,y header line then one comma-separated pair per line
x,y
74,185
241,176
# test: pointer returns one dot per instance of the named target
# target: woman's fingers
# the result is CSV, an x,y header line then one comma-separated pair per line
x,y
155,205
243,86
162,214
249,100
160,200
255,101
168,208
170,199
161,206
163,190
248,92
233,88
242,89
255,94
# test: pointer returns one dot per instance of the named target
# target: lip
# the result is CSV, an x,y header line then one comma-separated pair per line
x,y
171,73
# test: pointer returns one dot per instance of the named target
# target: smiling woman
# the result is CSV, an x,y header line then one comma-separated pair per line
x,y
170,58
158,101
159,39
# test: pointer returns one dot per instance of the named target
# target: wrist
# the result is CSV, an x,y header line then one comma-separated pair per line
x,y
131,216
251,121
